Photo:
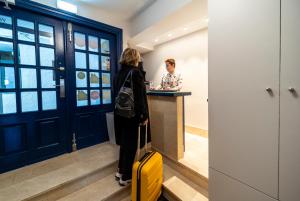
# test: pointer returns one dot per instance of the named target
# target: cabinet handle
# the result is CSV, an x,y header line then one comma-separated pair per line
x,y
292,90
268,89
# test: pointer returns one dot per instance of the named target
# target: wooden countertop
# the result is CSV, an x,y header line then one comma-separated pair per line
x,y
169,93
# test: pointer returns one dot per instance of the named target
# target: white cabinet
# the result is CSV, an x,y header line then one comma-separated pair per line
x,y
228,189
244,47
289,160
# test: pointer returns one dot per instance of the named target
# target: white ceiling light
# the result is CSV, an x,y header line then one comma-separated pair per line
x,y
67,6
185,28
156,40
169,35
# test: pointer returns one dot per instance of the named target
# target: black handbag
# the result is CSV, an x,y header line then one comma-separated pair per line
x,y
124,103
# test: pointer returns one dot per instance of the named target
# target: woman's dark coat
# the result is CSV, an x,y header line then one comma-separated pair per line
x,y
126,130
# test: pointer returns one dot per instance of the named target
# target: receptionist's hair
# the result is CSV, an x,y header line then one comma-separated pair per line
x,y
130,57
171,61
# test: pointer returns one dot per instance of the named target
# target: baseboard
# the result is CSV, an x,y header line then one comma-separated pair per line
x,y
196,131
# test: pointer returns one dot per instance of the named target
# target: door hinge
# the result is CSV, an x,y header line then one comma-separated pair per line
x,y
74,145
7,2
70,32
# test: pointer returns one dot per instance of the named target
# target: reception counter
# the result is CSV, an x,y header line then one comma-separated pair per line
x,y
167,122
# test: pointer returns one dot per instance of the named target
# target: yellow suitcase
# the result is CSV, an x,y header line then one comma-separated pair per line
x,y
147,176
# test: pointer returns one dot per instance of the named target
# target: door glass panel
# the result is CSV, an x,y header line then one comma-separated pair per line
x,y
25,30
29,101
82,98
47,78
95,97
105,46
46,35
6,33
8,102
81,79
5,20
94,61
26,54
25,24
80,41
47,57
49,100
106,80
106,96
105,63
28,78
93,44
80,60
26,36
94,79
6,52
7,78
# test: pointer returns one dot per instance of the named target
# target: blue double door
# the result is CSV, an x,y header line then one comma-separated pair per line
x,y
55,86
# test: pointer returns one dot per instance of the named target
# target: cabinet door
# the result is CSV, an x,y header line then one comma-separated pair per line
x,y
228,189
289,160
244,46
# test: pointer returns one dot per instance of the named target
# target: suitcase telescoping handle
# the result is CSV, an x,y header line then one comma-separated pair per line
x,y
139,141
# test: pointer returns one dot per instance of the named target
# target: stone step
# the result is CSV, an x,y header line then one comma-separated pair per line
x,y
105,189
177,190
187,172
56,178
178,187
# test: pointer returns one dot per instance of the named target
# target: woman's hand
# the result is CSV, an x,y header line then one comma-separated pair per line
x,y
144,122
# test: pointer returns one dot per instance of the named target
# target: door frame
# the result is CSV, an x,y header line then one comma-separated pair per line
x,y
79,20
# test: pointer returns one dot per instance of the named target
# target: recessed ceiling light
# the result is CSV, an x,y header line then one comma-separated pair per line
x,y
169,35
156,40
185,28
66,6
206,19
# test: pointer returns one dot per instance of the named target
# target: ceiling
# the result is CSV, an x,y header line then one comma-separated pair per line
x,y
186,20
126,8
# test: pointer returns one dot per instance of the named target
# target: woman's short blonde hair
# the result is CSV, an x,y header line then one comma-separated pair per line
x,y
130,57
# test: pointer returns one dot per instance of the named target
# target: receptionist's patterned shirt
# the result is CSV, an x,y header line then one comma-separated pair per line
x,y
171,81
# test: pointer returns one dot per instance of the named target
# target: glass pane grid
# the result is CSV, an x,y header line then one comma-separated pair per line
x,y
7,77
29,101
6,52
49,101
93,78
47,57
26,54
46,34
80,41
28,78
8,103
105,46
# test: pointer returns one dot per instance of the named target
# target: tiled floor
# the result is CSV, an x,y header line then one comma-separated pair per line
x,y
196,153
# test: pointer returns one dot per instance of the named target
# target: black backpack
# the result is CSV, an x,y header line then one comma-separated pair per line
x,y
124,102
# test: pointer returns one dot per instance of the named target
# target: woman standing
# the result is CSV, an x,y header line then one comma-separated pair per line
x,y
126,129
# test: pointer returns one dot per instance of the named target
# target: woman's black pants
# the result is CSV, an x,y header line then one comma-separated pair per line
x,y
126,160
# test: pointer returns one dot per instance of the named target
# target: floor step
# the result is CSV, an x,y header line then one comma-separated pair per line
x,y
178,187
105,189
187,172
56,178
178,190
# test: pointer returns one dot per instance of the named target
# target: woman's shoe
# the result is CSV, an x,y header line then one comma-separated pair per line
x,y
118,176
124,182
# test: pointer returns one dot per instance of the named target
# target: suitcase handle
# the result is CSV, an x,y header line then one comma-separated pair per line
x,y
139,141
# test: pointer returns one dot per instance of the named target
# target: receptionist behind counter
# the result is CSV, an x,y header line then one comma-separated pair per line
x,y
171,80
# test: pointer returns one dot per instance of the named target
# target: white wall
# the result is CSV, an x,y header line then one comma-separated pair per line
x,y
154,13
98,14
191,54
